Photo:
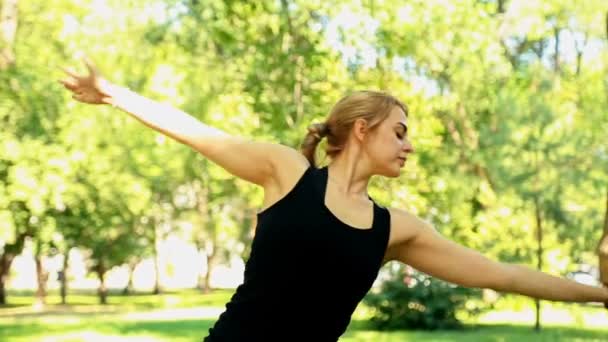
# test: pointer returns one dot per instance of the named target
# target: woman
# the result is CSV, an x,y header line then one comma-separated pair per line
x,y
320,239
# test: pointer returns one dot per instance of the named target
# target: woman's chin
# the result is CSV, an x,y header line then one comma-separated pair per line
x,y
394,172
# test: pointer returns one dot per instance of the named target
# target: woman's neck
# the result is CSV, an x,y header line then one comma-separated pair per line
x,y
349,173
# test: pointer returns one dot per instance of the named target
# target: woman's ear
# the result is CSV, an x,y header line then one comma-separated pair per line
x,y
360,129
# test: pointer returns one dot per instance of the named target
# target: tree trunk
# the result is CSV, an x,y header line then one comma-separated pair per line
x,y
102,291
204,279
157,288
156,241
63,278
201,275
500,6
6,259
602,249
209,248
298,63
556,61
539,256
157,273
5,266
41,278
8,30
210,266
2,291
129,288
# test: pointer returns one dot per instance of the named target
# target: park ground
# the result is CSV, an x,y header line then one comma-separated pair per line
x,y
187,315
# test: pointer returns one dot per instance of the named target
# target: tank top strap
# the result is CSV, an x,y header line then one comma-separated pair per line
x,y
382,221
318,183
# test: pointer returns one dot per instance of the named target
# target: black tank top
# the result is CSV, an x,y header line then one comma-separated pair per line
x,y
307,270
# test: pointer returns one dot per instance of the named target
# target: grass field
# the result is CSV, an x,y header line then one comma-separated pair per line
x,y
187,315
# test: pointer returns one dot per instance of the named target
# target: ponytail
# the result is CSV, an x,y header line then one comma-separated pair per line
x,y
316,132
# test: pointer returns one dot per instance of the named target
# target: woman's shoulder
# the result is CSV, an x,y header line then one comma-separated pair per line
x,y
404,226
289,167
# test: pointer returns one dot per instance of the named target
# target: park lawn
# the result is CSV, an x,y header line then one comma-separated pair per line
x,y
106,329
135,301
187,316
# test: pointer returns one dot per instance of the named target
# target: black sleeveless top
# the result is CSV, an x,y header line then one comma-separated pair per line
x,y
307,270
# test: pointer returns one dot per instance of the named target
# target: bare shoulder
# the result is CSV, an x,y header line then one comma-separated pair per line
x,y
288,166
405,226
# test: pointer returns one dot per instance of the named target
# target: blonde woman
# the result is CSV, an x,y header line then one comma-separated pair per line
x,y
320,238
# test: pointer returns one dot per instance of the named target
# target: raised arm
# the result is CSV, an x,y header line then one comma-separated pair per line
x,y
431,253
256,162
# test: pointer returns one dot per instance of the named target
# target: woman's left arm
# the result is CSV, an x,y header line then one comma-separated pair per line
x,y
431,253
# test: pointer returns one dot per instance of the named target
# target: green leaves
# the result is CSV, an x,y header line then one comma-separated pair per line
x,y
496,122
411,300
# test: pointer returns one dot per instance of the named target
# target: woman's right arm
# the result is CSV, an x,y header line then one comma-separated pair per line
x,y
256,162
252,161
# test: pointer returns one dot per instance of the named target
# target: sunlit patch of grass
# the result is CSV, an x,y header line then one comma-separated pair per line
x,y
194,330
118,301
107,329
93,336
493,333
188,315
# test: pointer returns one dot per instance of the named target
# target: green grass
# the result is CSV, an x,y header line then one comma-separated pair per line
x,y
187,316
493,333
92,329
136,301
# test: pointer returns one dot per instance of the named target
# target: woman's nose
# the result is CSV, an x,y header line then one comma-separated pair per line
x,y
408,147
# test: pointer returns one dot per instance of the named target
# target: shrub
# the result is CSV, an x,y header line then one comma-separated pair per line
x,y
413,300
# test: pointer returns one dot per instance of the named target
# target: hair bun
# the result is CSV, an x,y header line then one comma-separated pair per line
x,y
319,130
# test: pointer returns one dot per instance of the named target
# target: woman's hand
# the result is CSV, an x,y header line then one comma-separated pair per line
x,y
91,88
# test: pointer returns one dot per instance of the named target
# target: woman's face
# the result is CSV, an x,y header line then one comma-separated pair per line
x,y
388,145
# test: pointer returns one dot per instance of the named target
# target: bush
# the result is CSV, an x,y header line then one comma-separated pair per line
x,y
413,300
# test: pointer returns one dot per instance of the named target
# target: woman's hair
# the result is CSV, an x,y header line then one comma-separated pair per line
x,y
372,106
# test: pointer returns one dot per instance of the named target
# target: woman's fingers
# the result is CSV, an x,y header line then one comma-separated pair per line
x,y
107,100
71,85
70,72
90,66
85,88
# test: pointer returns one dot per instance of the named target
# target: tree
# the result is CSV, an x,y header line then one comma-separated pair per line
x,y
603,244
8,28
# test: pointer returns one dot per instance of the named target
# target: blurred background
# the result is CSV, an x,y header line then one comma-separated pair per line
x,y
110,231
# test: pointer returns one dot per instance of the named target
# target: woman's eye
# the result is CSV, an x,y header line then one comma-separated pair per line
x,y
399,136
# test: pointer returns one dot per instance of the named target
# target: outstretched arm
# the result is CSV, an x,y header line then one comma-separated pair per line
x,y
437,256
252,161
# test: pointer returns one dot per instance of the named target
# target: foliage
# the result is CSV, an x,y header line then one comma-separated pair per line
x,y
413,300
507,107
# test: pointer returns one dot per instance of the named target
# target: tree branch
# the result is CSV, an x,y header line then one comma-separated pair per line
x,y
8,30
